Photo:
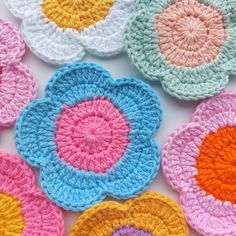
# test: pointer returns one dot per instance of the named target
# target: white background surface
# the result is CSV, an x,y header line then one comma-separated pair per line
x,y
176,112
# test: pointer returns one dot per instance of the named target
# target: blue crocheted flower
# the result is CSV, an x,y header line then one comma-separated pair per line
x,y
91,136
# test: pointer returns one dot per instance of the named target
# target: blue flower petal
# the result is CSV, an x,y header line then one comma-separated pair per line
x,y
34,131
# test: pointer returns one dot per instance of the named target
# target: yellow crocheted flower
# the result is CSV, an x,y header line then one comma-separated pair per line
x,y
150,214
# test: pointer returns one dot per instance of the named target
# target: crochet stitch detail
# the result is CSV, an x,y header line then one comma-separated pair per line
x,y
60,32
199,162
17,85
91,136
187,45
146,215
24,209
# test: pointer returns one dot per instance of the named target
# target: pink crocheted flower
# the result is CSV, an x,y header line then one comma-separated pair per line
x,y
24,209
17,86
199,161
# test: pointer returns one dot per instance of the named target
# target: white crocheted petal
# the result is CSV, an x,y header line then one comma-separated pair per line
x,y
22,8
106,37
49,42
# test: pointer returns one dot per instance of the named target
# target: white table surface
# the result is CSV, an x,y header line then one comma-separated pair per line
x,y
176,112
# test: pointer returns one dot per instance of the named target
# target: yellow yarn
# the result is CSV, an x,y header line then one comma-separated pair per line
x,y
151,212
11,220
76,14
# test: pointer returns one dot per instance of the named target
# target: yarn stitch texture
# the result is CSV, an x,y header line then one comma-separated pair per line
x,y
91,136
150,214
199,161
187,45
60,32
24,209
17,85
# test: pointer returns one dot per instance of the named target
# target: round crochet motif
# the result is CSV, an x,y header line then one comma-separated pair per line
x,y
187,45
90,132
150,214
60,32
190,33
24,209
91,136
199,161
17,85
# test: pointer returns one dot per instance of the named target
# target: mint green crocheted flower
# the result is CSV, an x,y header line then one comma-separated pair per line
x,y
187,45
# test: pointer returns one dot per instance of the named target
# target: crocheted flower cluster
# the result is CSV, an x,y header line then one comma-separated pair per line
x,y
59,32
17,86
91,136
24,209
188,45
150,214
199,161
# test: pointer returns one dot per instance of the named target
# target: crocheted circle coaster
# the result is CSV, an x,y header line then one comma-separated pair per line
x,y
24,209
59,31
91,136
17,86
150,214
188,45
199,161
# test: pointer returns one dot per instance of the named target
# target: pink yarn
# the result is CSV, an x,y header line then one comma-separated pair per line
x,y
42,217
92,136
17,85
209,215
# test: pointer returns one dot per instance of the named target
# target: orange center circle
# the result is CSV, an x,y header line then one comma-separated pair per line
x,y
76,14
216,164
11,220
190,33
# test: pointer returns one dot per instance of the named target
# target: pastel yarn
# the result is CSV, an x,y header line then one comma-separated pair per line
x,y
17,85
24,209
150,214
91,136
199,162
187,45
60,32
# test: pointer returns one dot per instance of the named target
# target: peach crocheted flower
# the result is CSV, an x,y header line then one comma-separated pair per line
x,y
199,161
187,45
149,214
17,85
24,209
59,31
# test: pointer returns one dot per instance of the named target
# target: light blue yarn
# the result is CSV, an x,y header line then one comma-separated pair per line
x,y
76,189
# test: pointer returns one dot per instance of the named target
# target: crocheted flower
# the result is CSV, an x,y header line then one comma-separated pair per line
x,y
150,214
59,31
91,136
17,86
24,209
188,45
199,161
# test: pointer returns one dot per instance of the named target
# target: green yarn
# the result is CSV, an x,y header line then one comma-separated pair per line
x,y
141,42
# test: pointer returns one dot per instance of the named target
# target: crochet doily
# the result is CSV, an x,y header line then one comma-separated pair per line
x,y
60,32
24,209
187,45
150,214
199,161
91,136
17,85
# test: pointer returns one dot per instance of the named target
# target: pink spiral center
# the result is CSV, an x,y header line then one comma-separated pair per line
x,y
190,33
92,136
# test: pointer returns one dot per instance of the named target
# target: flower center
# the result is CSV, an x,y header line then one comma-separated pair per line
x,y
76,14
92,136
216,164
130,231
190,33
11,220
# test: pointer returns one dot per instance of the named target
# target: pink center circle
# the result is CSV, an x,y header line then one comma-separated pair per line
x,y
190,33
92,136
